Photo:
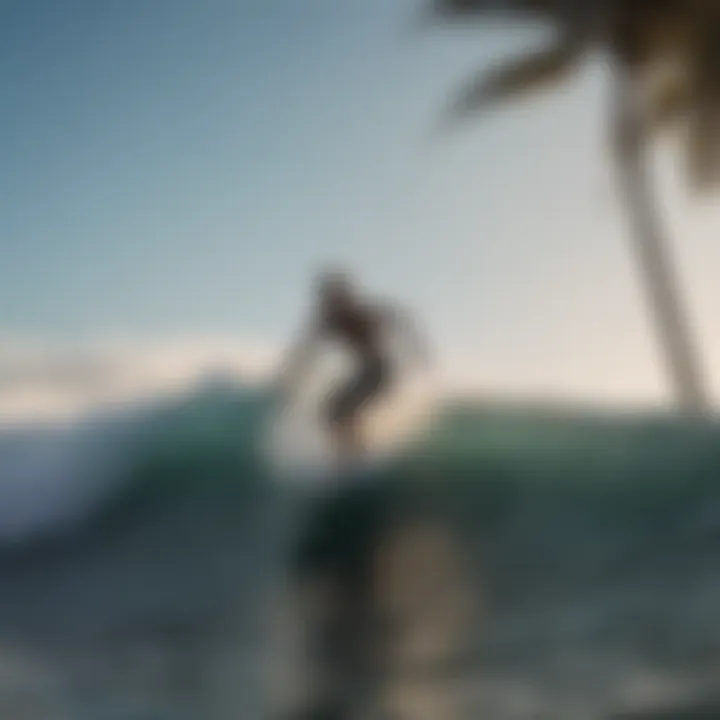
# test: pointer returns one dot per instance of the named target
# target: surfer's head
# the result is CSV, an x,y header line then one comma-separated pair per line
x,y
334,288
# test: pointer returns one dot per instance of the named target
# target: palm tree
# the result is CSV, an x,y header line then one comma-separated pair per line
x,y
665,57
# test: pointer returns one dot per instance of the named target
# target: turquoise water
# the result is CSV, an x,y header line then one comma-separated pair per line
x,y
139,584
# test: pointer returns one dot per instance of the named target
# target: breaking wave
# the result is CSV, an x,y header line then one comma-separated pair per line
x,y
156,532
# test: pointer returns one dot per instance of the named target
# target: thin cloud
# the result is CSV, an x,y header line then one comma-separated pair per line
x,y
40,380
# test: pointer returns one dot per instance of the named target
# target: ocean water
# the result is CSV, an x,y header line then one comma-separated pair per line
x,y
509,563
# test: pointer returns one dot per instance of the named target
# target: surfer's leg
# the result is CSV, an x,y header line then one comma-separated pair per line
x,y
342,424
345,409
348,439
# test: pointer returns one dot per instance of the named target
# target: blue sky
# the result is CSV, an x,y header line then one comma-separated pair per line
x,y
177,167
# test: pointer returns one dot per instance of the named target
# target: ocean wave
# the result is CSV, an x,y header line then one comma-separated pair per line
x,y
593,540
213,440
56,475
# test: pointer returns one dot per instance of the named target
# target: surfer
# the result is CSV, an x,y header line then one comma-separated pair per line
x,y
365,330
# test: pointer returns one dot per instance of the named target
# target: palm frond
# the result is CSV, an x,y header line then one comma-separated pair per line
x,y
466,9
528,73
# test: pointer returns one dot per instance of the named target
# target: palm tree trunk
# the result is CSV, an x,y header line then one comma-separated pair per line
x,y
651,250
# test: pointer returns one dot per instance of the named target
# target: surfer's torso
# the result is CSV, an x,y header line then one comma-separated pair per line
x,y
359,327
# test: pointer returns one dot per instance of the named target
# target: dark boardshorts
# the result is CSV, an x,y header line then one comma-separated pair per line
x,y
370,381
